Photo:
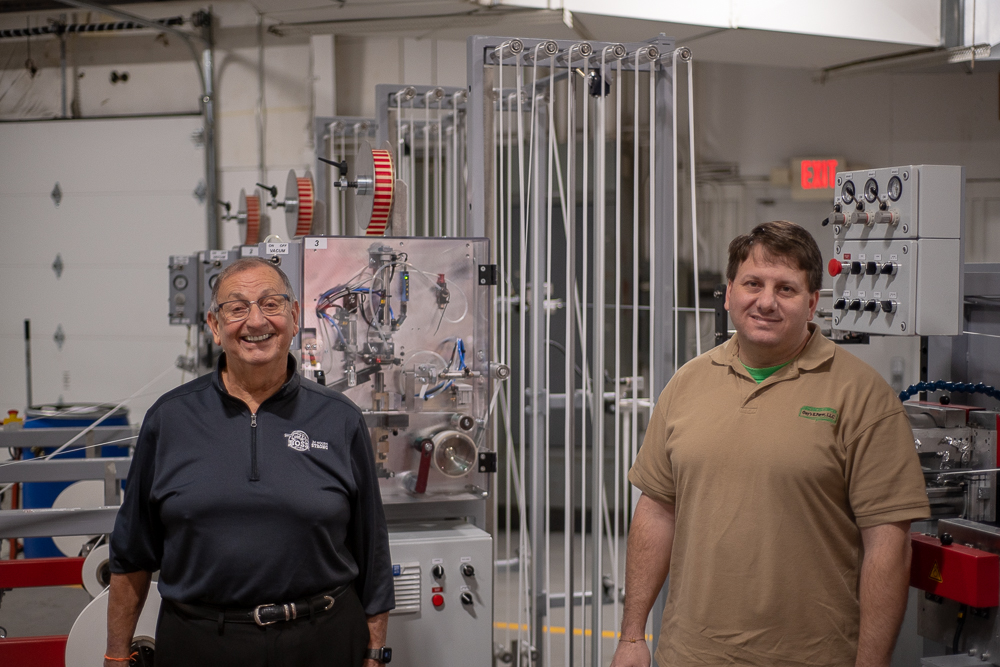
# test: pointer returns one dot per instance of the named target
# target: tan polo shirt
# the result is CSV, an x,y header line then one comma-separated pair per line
x,y
771,484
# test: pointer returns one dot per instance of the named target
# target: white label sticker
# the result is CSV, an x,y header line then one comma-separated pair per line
x,y
276,248
847,294
878,258
861,256
180,259
876,295
249,251
466,559
894,171
437,561
871,173
892,295
218,255
464,588
861,294
893,257
316,244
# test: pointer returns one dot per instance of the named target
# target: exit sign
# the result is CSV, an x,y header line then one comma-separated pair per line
x,y
814,178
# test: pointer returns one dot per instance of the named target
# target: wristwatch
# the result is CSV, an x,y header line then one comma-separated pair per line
x,y
383,655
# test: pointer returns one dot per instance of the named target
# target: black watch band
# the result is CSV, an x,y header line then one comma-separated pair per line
x,y
383,655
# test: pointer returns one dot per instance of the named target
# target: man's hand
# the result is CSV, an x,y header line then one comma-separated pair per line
x,y
647,561
631,654
378,625
884,585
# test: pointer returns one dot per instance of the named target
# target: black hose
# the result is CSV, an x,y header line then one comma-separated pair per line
x,y
959,624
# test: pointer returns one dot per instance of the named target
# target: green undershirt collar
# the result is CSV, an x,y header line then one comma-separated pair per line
x,y
761,374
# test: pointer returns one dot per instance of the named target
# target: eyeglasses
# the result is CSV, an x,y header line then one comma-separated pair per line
x,y
239,309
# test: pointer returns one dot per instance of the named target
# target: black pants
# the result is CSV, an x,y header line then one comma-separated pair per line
x,y
337,638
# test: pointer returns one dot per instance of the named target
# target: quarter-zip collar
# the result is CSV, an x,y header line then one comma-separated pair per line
x,y
288,389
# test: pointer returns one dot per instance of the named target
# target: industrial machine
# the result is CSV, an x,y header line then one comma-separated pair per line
x,y
899,270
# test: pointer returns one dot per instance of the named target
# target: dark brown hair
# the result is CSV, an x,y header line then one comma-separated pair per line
x,y
780,241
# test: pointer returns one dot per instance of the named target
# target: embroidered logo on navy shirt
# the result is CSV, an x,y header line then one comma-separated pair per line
x,y
298,440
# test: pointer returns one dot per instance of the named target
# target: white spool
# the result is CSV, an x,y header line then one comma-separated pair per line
x,y
95,573
88,639
87,494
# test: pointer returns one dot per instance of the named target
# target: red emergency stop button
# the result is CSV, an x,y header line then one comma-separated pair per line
x,y
437,600
835,267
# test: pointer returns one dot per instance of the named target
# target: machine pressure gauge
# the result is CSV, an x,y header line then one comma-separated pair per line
x,y
180,282
871,190
847,192
895,188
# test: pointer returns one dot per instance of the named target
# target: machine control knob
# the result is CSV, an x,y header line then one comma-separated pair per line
x,y
854,305
888,306
861,218
835,267
468,570
856,268
871,268
946,539
889,268
437,571
437,600
837,218
871,306
840,304
885,217
466,598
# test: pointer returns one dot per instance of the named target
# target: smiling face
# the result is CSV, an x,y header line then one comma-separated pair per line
x,y
258,343
770,304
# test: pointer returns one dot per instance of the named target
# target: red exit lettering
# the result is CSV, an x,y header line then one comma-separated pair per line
x,y
818,174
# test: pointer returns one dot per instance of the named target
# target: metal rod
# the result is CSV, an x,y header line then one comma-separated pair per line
x,y
62,72
584,284
686,56
569,368
27,359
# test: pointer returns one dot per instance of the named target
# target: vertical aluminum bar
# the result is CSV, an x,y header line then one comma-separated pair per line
x,y
428,165
676,225
587,389
569,423
438,217
597,449
551,156
538,438
618,330
411,180
636,147
524,573
694,208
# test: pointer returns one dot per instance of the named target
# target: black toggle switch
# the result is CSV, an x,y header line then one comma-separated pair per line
x,y
437,571
466,598
871,306
889,269
871,268
888,306
854,305
856,268
468,570
840,304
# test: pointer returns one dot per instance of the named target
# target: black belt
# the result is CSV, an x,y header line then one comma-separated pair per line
x,y
265,614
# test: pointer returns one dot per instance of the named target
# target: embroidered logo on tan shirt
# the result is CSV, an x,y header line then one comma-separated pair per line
x,y
819,414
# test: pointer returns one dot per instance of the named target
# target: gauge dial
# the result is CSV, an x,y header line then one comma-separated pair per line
x,y
871,190
895,188
180,282
847,192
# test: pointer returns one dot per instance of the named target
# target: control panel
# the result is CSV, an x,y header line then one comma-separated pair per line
x,y
898,254
185,289
213,263
443,579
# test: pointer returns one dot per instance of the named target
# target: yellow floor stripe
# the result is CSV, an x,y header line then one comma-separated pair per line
x,y
556,630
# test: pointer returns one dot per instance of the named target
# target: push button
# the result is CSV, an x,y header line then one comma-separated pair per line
x,y
437,600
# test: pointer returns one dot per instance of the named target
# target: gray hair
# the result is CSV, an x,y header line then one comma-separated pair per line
x,y
245,264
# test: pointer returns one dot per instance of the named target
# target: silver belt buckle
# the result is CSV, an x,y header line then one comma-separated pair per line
x,y
256,616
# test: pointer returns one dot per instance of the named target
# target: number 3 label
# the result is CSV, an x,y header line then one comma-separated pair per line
x,y
316,244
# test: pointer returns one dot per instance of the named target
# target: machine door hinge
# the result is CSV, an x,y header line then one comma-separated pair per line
x,y
487,274
487,461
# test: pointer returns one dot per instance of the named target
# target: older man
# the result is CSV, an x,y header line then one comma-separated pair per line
x,y
254,493
778,480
